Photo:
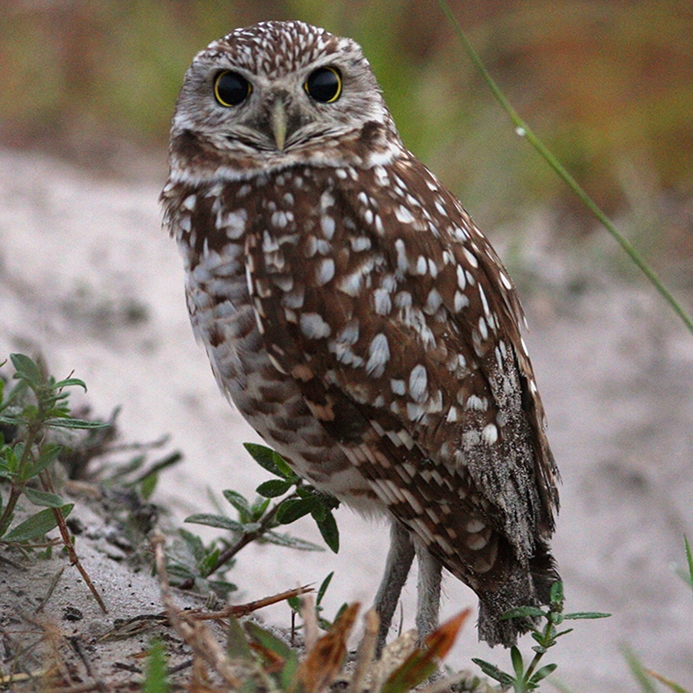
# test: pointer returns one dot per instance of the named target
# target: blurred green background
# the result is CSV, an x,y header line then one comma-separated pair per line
x,y
608,85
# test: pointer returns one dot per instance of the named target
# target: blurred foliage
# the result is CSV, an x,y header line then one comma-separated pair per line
x,y
608,84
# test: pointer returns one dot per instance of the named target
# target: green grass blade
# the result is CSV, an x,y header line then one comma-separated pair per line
x,y
639,672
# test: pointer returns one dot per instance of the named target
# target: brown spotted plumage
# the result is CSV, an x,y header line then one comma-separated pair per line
x,y
358,318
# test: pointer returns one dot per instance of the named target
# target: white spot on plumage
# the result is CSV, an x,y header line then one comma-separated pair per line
x,y
461,279
477,403
404,216
349,334
476,541
490,433
279,219
326,200
471,258
234,223
460,301
351,283
483,329
474,525
378,355
418,383
327,225
401,250
382,302
416,412
433,301
360,243
398,387
325,271
313,326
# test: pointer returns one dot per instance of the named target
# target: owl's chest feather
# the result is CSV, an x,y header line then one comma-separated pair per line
x,y
225,320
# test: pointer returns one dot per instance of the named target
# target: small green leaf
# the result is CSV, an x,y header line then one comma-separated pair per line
x,y
148,484
584,614
258,509
319,512
69,422
274,488
12,457
238,502
323,588
518,664
272,537
194,543
237,646
43,499
70,382
156,674
494,672
293,509
330,532
268,459
266,639
26,369
556,594
208,564
37,525
542,673
49,454
288,675
219,521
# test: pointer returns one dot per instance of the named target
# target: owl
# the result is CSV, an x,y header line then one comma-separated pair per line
x,y
358,319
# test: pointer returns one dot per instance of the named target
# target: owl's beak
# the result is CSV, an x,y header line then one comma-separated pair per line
x,y
278,122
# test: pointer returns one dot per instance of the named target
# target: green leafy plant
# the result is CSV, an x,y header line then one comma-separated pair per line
x,y
258,520
527,677
32,408
30,413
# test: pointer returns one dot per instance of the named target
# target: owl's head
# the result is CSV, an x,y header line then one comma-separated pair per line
x,y
278,94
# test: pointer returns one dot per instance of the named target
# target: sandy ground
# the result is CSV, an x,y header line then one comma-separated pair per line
x,y
81,255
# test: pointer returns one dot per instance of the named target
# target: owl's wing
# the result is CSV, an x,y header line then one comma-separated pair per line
x,y
398,322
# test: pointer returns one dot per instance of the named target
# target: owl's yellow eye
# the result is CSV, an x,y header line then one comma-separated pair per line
x,y
324,84
231,89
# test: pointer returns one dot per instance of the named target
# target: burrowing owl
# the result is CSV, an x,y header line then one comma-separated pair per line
x,y
357,317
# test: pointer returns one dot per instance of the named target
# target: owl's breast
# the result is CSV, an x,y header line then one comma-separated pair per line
x,y
224,320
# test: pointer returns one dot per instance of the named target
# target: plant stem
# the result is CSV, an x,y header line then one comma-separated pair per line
x,y
67,542
8,513
246,538
522,129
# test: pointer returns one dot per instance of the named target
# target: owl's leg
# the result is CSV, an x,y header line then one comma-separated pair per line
x,y
427,592
399,560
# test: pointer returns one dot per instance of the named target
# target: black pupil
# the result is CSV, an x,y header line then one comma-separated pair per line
x,y
231,88
323,85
